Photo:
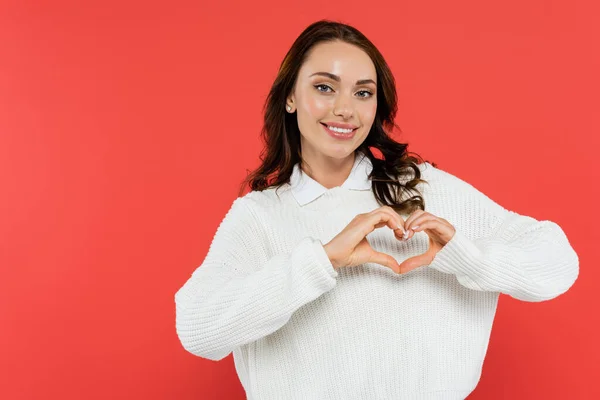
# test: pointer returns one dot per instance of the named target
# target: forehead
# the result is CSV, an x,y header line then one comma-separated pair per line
x,y
343,59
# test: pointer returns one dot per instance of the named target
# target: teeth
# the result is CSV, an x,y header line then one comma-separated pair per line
x,y
333,128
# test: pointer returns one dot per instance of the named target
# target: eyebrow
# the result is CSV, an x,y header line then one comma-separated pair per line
x,y
337,78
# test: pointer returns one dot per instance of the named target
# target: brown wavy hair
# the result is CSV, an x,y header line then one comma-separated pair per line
x,y
281,135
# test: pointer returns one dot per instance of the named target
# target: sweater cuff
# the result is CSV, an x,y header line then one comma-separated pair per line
x,y
322,258
460,256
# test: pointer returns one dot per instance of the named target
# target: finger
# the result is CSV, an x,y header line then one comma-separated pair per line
x,y
417,224
417,261
414,215
396,216
444,221
389,210
413,263
378,219
386,260
429,224
418,221
396,221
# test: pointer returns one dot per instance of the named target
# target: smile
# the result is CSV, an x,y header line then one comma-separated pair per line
x,y
339,133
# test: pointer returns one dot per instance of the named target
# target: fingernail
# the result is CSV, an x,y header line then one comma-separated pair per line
x,y
405,236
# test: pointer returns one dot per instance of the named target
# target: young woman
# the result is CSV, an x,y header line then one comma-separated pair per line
x,y
328,280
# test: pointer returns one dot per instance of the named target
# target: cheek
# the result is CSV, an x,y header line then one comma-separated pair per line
x,y
368,112
316,106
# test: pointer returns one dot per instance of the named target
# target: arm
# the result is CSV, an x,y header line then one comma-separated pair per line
x,y
239,295
514,254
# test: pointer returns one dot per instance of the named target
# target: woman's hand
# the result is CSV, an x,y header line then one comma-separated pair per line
x,y
439,231
350,247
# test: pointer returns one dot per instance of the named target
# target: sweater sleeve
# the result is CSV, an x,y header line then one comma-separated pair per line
x,y
495,249
240,294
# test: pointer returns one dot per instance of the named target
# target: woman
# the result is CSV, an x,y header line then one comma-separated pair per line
x,y
328,280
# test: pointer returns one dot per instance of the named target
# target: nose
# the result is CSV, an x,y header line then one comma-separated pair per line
x,y
342,107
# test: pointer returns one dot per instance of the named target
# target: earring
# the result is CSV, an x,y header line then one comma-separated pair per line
x,y
289,108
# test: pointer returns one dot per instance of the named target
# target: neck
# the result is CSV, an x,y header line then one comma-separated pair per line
x,y
329,172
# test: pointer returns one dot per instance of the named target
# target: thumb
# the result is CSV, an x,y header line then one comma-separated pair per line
x,y
414,262
386,260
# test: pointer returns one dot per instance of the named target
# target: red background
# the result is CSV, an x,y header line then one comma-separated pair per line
x,y
127,126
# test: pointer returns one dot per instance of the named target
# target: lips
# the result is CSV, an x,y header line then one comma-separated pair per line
x,y
339,135
342,126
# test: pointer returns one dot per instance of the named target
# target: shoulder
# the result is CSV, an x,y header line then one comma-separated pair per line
x,y
465,198
260,202
442,180
440,177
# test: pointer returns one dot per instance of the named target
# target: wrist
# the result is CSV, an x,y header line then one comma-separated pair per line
x,y
330,256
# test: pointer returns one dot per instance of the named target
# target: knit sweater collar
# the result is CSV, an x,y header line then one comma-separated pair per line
x,y
305,189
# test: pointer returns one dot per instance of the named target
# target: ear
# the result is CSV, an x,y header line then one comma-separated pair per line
x,y
291,100
290,105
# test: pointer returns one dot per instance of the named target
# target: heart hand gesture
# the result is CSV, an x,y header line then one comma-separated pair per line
x,y
350,247
439,231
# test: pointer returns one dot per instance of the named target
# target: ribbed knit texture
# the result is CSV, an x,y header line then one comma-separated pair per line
x,y
300,329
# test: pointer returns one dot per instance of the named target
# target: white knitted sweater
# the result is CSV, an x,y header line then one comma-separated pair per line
x,y
300,329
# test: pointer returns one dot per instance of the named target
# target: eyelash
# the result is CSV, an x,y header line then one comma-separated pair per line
x,y
363,97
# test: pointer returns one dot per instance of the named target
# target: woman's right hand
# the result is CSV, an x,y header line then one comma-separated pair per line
x,y
350,247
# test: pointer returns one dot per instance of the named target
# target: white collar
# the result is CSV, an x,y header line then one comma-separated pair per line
x,y
305,189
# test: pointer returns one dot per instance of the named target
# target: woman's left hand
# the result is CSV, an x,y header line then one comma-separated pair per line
x,y
439,231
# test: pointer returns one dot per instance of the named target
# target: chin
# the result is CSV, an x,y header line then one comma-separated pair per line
x,y
341,151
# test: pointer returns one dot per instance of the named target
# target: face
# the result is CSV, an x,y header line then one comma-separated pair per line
x,y
336,84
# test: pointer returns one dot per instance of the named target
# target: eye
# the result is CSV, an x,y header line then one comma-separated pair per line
x,y
368,93
317,87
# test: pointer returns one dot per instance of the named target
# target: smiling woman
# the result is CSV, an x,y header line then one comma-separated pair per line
x,y
336,287
335,96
